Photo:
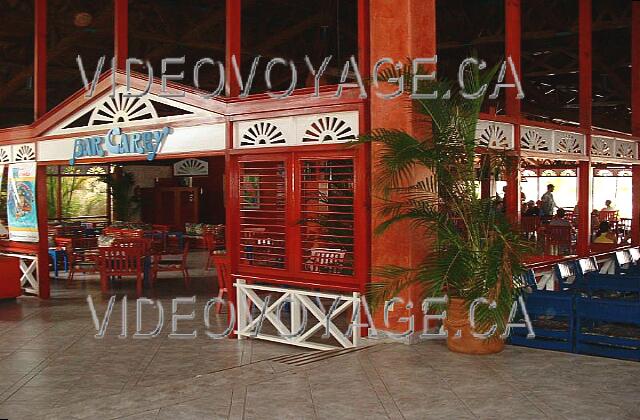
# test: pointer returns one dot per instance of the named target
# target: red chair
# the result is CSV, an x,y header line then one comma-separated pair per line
x,y
120,262
143,243
163,265
529,226
608,215
223,273
214,246
326,260
82,255
558,237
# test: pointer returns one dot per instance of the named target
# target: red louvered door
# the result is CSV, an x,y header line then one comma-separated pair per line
x,y
263,214
301,219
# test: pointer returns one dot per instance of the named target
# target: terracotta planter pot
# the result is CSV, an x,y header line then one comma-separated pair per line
x,y
458,320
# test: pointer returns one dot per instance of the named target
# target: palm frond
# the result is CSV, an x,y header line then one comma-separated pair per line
x,y
476,252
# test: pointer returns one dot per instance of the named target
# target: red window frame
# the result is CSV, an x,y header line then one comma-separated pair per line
x,y
293,273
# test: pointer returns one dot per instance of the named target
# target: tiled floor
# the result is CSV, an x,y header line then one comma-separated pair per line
x,y
51,366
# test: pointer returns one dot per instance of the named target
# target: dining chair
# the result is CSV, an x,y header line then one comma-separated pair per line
x,y
325,260
558,238
82,256
214,245
223,276
162,264
609,215
529,226
120,262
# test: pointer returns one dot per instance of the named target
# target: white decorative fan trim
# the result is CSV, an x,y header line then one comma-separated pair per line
x,y
494,135
191,167
566,142
24,152
263,133
122,109
329,129
626,149
106,112
536,139
602,146
5,155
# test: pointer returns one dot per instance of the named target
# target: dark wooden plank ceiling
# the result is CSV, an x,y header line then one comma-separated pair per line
x,y
292,29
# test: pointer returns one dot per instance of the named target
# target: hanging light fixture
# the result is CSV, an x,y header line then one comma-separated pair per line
x,y
82,19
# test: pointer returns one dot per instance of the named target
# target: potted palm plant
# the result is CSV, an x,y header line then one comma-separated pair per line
x,y
476,251
120,186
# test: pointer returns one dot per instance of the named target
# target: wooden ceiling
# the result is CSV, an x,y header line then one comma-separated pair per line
x,y
294,28
549,54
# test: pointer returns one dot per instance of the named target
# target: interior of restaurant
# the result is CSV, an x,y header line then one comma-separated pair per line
x,y
555,233
172,209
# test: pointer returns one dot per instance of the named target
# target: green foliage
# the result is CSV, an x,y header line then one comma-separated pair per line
x,y
124,203
476,251
80,195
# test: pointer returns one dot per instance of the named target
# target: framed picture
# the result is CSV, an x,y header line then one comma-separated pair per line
x,y
250,192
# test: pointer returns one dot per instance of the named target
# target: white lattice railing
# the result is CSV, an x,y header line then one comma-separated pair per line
x,y
614,148
559,142
538,141
260,316
494,135
29,272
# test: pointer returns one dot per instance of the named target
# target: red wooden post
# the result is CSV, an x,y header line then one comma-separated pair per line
x,y
233,45
40,60
635,114
43,242
513,47
585,55
232,241
635,67
121,33
585,92
585,183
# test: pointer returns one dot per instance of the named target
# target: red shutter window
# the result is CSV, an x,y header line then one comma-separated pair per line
x,y
327,216
262,214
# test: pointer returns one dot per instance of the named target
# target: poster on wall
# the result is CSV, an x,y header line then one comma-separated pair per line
x,y
3,230
22,214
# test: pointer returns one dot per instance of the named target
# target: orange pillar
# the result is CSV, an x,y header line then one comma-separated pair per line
x,y
399,30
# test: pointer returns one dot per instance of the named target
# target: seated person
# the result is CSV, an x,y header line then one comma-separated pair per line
x,y
531,209
604,234
560,220
595,218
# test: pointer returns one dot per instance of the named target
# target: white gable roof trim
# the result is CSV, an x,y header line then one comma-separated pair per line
x,y
126,108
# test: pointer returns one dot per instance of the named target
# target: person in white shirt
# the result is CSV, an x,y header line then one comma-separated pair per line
x,y
548,203
608,206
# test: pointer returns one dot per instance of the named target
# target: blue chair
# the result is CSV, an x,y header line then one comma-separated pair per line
x,y
55,254
608,313
589,279
551,312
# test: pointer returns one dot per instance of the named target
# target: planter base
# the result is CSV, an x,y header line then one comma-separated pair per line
x,y
465,342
